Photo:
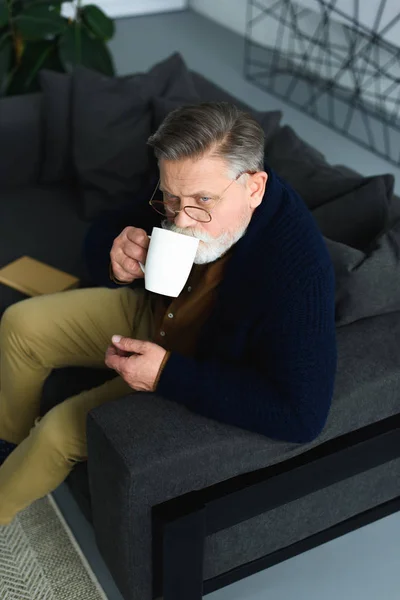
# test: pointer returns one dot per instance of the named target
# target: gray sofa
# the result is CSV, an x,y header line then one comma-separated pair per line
x,y
182,505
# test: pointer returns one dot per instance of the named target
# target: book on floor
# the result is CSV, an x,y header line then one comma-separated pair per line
x,y
34,278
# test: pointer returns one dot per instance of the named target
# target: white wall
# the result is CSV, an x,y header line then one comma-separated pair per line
x,y
130,8
233,15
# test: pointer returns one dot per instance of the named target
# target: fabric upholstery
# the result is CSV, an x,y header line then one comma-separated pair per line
x,y
358,217
42,222
367,283
210,91
111,123
128,454
21,140
179,90
57,126
297,520
132,466
112,120
307,171
394,209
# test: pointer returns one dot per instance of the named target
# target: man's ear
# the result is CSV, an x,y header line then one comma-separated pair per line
x,y
256,186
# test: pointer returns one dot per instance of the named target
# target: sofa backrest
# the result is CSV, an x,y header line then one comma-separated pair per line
x,y
21,140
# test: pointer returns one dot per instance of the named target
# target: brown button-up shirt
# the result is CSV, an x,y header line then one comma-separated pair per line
x,y
179,321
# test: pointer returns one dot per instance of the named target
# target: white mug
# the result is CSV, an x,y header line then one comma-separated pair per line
x,y
169,261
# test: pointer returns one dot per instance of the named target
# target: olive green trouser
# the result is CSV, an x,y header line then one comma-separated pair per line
x,y
72,328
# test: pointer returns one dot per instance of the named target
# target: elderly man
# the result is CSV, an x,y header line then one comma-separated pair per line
x,y
250,341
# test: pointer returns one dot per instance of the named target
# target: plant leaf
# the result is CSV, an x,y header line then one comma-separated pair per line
x,y
70,47
3,14
78,47
36,56
16,6
97,22
40,22
96,55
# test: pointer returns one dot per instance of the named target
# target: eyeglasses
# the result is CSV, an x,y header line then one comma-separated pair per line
x,y
169,205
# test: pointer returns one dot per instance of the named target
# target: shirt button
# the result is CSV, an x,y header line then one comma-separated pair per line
x,y
189,288
170,315
162,333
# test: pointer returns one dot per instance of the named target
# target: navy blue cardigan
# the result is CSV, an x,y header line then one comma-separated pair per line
x,y
266,359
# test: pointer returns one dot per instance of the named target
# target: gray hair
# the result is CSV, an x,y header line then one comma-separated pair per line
x,y
191,131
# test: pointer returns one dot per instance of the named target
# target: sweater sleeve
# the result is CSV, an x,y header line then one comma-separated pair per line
x,y
103,231
287,394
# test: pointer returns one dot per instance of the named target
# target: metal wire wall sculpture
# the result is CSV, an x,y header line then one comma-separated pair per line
x,y
343,74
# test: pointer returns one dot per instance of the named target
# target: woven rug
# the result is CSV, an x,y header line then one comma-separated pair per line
x,y
41,560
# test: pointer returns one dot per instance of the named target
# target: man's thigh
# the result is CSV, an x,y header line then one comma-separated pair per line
x,y
75,327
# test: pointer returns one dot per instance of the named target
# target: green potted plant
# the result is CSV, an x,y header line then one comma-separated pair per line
x,y
35,35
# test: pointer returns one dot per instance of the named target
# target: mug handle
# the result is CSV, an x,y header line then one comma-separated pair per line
x,y
141,264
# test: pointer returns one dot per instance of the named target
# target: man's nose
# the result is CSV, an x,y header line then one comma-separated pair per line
x,y
182,219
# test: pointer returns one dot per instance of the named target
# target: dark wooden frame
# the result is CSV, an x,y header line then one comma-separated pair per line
x,y
181,525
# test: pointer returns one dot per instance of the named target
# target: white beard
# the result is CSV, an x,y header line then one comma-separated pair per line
x,y
210,249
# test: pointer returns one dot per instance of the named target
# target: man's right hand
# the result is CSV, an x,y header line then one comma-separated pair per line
x,y
128,249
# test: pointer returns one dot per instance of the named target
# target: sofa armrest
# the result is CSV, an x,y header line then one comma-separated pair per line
x,y
144,450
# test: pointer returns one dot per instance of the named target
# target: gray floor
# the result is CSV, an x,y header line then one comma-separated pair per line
x,y
366,563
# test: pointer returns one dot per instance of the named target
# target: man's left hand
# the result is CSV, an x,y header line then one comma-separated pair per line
x,y
137,362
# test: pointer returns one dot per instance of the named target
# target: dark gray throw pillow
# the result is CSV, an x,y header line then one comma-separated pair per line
x,y
367,283
163,106
179,91
57,126
21,140
269,121
359,216
112,120
394,209
306,169
57,115
111,123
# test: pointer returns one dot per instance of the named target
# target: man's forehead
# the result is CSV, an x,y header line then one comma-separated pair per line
x,y
192,177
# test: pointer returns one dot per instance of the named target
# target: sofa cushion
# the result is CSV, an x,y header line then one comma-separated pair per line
x,y
57,96
124,442
358,217
179,91
42,222
111,123
367,283
21,140
394,209
306,169
112,120
366,392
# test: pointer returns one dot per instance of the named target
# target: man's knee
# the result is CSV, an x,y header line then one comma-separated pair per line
x,y
60,435
16,320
